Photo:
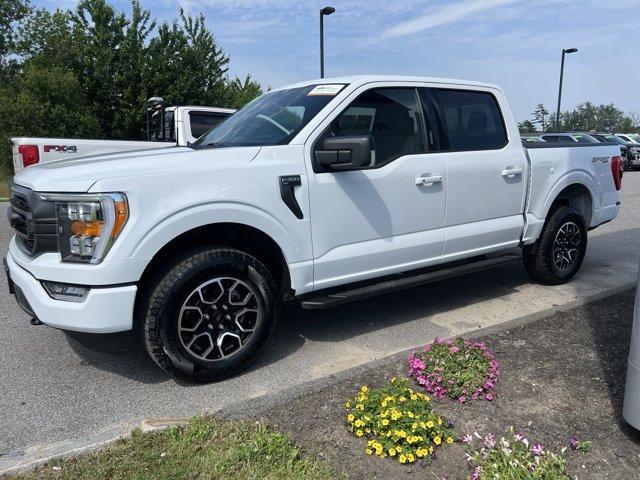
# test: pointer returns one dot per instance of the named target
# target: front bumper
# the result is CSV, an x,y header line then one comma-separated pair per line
x,y
104,310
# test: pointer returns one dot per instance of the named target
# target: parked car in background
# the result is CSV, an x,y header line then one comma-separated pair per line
x,y
322,192
568,137
630,152
629,137
532,139
166,127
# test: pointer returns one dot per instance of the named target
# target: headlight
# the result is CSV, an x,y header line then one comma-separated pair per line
x,y
87,224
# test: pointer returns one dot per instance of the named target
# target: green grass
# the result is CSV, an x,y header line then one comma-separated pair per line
x,y
4,187
206,448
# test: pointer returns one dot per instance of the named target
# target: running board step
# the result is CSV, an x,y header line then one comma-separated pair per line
x,y
328,300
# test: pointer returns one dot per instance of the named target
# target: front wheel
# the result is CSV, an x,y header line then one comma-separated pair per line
x,y
561,248
209,315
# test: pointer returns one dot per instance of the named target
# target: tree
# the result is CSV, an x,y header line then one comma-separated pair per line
x,y
526,127
11,12
539,116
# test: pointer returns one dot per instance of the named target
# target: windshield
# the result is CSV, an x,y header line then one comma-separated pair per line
x,y
613,139
271,119
585,139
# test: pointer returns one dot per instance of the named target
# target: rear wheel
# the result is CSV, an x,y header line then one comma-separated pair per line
x,y
209,315
561,248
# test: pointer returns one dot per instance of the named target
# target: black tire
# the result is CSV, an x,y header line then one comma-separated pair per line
x,y
170,290
543,265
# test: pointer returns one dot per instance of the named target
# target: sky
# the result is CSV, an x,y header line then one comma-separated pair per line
x,y
516,44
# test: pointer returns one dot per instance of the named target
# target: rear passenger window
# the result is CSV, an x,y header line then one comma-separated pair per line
x,y
472,120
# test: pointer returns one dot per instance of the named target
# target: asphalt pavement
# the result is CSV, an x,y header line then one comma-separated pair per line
x,y
59,391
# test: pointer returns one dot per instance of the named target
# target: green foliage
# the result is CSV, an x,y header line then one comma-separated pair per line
x,y
107,64
526,127
398,422
205,448
540,115
514,458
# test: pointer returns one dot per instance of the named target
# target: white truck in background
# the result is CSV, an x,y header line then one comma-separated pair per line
x,y
322,192
166,127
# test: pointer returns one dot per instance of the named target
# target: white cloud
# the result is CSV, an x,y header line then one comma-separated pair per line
x,y
447,14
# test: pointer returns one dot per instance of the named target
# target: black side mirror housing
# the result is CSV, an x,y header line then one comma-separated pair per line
x,y
347,153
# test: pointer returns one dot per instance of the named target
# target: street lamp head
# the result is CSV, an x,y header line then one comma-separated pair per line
x,y
327,11
570,50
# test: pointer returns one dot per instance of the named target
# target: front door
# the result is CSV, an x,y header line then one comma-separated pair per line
x,y
385,218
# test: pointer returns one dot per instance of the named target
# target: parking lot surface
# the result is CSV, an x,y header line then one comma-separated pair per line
x,y
60,390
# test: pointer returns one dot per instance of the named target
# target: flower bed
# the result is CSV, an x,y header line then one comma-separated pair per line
x,y
513,458
458,369
398,422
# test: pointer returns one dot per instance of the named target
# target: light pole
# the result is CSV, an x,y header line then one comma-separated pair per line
x,y
564,51
323,12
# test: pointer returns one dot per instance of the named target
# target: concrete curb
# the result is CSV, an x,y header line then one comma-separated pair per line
x,y
43,454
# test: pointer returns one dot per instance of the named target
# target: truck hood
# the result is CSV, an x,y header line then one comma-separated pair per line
x,y
78,175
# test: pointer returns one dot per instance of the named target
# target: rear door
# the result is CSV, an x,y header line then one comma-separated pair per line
x,y
486,171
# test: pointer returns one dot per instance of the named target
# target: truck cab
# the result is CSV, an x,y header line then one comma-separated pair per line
x,y
321,192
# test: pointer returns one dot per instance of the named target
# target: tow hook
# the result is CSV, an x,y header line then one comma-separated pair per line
x,y
35,322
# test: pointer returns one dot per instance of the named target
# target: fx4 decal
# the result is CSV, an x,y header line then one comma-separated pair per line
x,y
61,148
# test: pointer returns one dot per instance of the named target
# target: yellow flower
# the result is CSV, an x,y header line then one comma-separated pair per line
x,y
402,459
385,422
369,451
437,440
392,452
411,458
350,417
449,440
430,424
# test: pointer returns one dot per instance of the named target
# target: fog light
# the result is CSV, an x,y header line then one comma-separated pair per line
x,y
66,292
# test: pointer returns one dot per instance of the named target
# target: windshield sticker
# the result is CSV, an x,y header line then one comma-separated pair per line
x,y
325,90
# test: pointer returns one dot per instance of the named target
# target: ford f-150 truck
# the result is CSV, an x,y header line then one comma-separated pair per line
x,y
166,128
322,192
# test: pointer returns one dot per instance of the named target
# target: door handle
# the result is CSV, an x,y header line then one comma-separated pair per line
x,y
428,180
511,172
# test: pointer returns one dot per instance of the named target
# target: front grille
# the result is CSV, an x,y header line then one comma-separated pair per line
x,y
20,203
33,220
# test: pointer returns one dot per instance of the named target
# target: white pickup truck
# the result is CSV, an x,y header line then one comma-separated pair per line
x,y
179,127
322,192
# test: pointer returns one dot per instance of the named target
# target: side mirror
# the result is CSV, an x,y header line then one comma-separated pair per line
x,y
347,153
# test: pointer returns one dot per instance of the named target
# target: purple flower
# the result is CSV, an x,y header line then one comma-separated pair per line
x,y
475,475
537,449
574,442
489,440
